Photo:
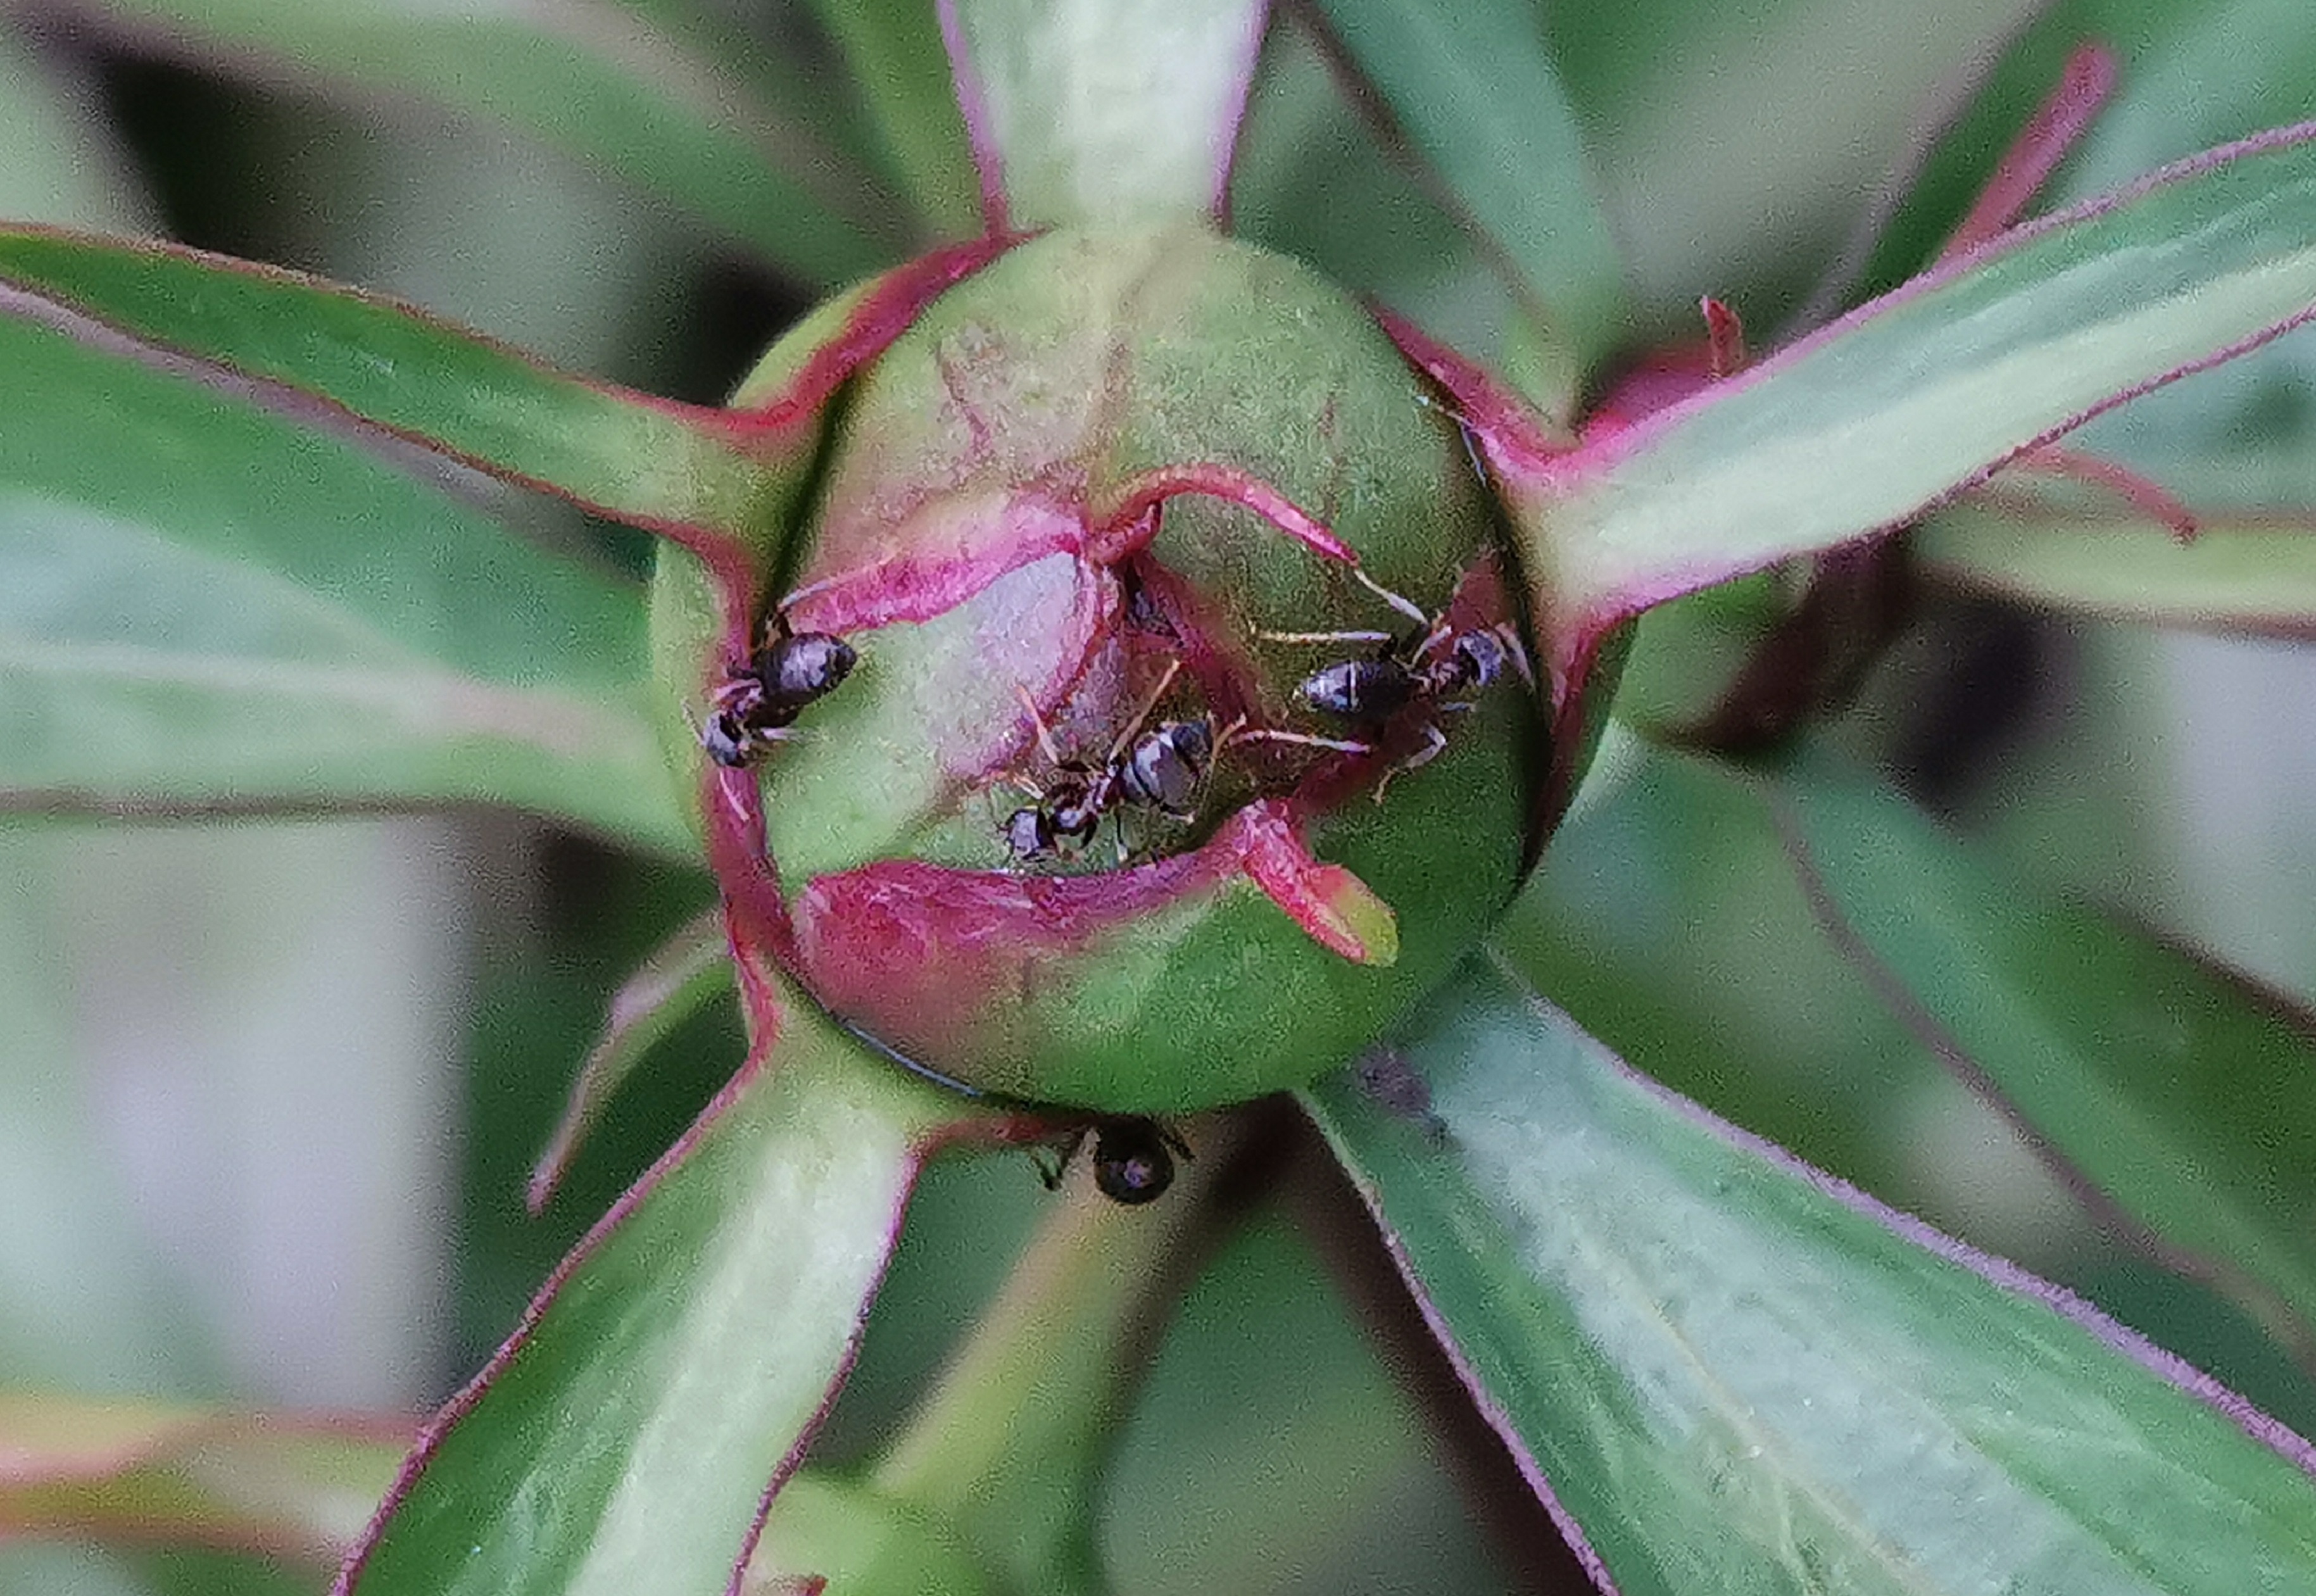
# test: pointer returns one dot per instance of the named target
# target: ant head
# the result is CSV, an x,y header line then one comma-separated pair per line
x,y
1131,1164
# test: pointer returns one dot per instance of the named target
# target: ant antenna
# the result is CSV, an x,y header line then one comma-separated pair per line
x,y
1134,726
1240,732
1406,607
1038,724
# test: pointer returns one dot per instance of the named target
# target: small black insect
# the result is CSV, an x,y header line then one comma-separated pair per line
x,y
1436,666
759,700
1161,769
1133,1159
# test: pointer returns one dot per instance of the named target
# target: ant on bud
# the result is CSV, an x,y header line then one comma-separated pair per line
x,y
758,699
1161,770
1436,665
1133,1159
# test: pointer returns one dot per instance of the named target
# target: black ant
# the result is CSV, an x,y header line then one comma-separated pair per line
x,y
758,700
1161,768
1133,1159
1436,665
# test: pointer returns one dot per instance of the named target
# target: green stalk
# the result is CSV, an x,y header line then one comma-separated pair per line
x,y
1007,1450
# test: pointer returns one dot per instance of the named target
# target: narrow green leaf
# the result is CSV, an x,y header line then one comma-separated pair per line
x,y
627,455
611,83
684,976
2179,1094
143,1472
1475,92
1863,426
206,605
622,1441
901,67
1104,111
1737,1375
2245,574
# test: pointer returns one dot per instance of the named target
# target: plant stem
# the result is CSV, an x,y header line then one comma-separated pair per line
x,y
1007,1447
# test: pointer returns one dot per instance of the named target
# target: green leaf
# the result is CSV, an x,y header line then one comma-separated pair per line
x,y
663,106
1737,1375
1104,111
623,1438
2177,1092
143,1472
1864,425
642,459
2241,573
1477,96
206,605
901,67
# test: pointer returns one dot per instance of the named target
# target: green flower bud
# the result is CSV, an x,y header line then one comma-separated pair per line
x,y
1188,735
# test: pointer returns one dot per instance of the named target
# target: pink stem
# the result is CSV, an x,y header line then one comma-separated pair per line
x,y
1724,337
2150,498
2062,119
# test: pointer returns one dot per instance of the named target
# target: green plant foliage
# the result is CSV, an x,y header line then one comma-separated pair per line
x,y
1736,1377
250,562
621,453
1478,96
241,612
2176,1091
1109,112
643,88
622,1441
1866,425
2238,574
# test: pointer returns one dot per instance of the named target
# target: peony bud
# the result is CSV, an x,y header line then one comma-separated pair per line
x,y
1186,736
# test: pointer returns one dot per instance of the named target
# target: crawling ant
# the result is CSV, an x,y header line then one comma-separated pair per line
x,y
1161,768
1133,1159
757,701
1438,666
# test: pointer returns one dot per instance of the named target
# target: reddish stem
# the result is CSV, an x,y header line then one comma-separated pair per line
x,y
1724,337
2057,124
2150,498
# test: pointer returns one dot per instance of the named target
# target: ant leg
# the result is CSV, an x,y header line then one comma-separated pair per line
x,y
1324,638
1264,734
1434,742
1052,1173
1508,635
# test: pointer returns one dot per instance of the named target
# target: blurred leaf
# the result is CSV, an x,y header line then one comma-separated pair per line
x,y
295,1486
900,66
61,167
1267,1361
623,1438
1311,180
1665,919
207,605
2177,1092
611,83
1104,110
1738,1375
1734,145
2238,575
1475,94
683,975
1859,427
647,461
